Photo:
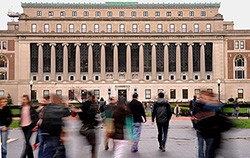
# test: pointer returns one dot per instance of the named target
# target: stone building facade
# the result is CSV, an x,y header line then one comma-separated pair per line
x,y
118,48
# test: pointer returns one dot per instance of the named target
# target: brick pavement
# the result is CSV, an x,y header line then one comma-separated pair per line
x,y
181,142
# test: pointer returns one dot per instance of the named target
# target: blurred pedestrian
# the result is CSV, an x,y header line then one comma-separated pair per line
x,y
236,108
29,118
192,104
162,112
5,121
177,110
139,117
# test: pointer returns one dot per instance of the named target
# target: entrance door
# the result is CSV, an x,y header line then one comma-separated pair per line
x,y
122,93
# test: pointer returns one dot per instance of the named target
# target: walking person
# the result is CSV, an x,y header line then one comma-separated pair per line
x,y
177,110
162,112
5,121
192,104
236,108
29,118
139,117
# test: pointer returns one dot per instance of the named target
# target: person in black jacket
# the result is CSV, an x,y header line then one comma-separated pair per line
x,y
139,117
5,121
162,112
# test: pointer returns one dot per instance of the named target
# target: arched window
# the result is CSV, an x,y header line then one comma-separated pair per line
x,y
3,61
239,67
3,75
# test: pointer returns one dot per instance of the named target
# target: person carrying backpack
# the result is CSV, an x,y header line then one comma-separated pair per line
x,y
162,112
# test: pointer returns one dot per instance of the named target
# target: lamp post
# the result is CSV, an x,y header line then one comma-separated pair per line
x,y
31,84
218,83
109,92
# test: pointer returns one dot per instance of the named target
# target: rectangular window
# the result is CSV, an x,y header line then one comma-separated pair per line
x,y
169,13
184,27
122,28
58,28
147,28
39,13
236,45
172,94
85,13
45,92
191,13
97,14
46,27
157,14
109,28
239,74
33,28
180,13
184,93
96,28
1,92
159,27
110,14
62,13
121,13
97,93
71,27
134,28
51,13
133,13
172,28
59,92
241,44
84,28
4,45
208,28
145,14
197,92
196,27
147,93
71,95
74,13
240,93
203,13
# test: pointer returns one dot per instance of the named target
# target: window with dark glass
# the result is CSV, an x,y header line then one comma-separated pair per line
x,y
62,13
109,57
59,57
33,57
135,57
85,13
180,13
71,95
169,13
209,57
59,78
110,14
191,13
147,57
96,57
133,13
157,14
159,77
172,94
121,13
74,13
3,75
160,57
84,57
147,77
196,77
96,78
34,78
145,14
122,57
84,78
46,57
46,78
3,61
172,77
184,77
4,45
97,14
239,74
203,13
71,58
208,77
184,57
172,57
72,78
184,93
240,93
51,13
39,13
196,57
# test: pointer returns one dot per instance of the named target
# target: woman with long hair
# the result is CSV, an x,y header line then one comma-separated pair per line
x,y
29,118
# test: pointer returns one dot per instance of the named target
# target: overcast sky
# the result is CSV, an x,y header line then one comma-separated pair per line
x,y
232,10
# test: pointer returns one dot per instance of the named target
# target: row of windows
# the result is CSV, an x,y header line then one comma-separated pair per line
x,y
135,28
122,13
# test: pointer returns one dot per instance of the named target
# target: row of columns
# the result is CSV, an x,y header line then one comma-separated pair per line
x,y
115,61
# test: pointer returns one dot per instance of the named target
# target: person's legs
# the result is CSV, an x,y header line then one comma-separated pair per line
x,y
136,136
200,145
159,127
4,136
120,147
106,141
41,143
210,147
165,134
50,146
27,151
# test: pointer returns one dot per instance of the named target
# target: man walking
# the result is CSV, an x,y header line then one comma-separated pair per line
x,y
162,113
139,117
192,104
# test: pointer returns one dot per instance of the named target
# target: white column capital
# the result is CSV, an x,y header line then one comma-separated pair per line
x,y
141,44
202,43
103,44
90,44
128,44
178,44
65,44
190,44
166,44
115,44
52,44
40,44
77,44
153,44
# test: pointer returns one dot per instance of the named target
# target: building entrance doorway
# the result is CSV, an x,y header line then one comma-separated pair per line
x,y
122,93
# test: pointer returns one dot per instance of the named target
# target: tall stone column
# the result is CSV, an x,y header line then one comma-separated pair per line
x,y
141,62
53,61
90,61
166,61
103,61
178,61
115,61
128,60
78,62
40,61
202,60
190,61
153,62
65,61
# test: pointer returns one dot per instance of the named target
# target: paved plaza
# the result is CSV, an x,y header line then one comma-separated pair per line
x,y
181,143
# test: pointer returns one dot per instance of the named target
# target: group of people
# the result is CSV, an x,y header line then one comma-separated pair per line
x,y
122,122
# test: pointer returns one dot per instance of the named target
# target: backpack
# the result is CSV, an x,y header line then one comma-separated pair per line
x,y
161,113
